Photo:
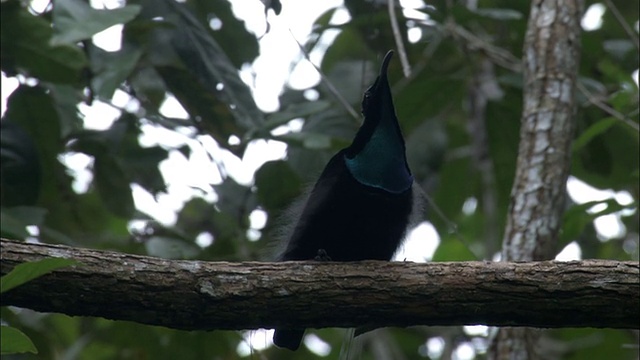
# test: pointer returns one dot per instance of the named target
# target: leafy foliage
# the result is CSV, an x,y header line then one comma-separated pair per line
x,y
13,340
192,51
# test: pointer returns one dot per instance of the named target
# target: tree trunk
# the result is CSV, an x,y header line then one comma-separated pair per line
x,y
551,60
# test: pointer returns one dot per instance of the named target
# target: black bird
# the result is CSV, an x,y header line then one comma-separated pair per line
x,y
361,206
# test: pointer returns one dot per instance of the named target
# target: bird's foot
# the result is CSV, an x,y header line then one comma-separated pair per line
x,y
322,256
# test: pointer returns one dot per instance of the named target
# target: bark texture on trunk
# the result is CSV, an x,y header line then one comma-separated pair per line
x,y
551,61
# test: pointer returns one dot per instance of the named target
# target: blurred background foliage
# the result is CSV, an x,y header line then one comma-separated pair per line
x,y
194,51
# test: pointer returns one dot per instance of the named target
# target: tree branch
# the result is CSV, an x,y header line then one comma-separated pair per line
x,y
395,30
198,295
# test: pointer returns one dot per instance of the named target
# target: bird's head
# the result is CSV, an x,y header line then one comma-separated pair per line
x,y
377,155
374,105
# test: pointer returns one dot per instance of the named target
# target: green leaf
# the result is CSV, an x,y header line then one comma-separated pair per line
x,y
609,159
75,20
277,185
113,185
19,165
33,109
66,100
577,217
625,100
28,271
452,249
232,32
234,198
593,131
142,166
26,48
14,341
120,161
209,65
148,85
185,150
113,69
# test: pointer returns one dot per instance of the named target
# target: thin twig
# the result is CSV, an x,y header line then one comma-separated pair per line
x,y
606,108
616,13
499,56
332,89
451,226
508,61
406,68
427,54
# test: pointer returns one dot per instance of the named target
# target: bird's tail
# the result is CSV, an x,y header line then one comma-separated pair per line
x,y
288,338
351,346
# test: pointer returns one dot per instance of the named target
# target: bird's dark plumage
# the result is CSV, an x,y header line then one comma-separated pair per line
x,y
360,207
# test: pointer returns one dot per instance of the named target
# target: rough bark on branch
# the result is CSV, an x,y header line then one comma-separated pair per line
x,y
198,295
